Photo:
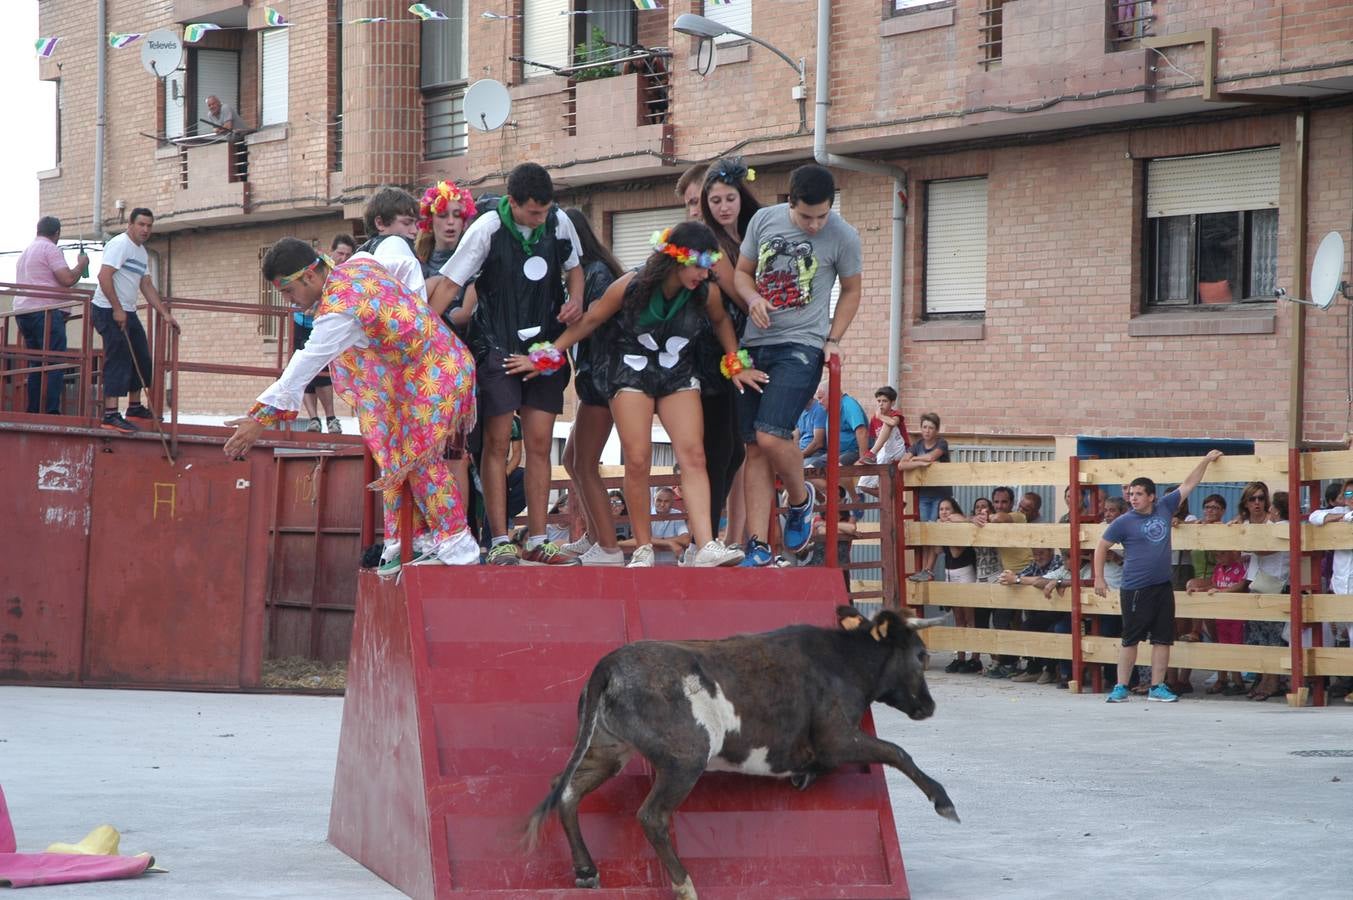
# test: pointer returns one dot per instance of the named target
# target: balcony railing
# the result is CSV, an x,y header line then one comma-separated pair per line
x,y
1128,22
990,28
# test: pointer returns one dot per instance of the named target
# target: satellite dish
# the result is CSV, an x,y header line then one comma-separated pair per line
x,y
162,52
1326,275
1327,271
487,105
706,57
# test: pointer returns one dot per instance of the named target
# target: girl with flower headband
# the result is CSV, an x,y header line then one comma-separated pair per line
x,y
726,206
445,211
661,311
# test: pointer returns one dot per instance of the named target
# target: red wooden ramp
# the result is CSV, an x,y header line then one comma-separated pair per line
x,y
462,705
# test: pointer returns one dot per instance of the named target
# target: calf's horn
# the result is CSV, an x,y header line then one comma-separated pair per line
x,y
919,624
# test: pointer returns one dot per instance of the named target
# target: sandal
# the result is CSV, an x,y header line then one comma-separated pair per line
x,y
1261,696
1220,687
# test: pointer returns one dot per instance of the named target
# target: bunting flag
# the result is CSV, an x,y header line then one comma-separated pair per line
x,y
195,32
118,41
718,2
273,18
45,46
646,4
426,13
368,20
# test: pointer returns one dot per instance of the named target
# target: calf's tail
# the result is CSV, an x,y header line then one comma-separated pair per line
x,y
587,726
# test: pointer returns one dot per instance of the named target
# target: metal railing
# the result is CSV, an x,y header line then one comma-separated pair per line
x,y
1127,22
990,32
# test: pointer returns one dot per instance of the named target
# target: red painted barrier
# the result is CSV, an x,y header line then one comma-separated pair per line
x,y
462,705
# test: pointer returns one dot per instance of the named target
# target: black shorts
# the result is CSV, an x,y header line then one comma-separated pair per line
x,y
589,390
1148,614
501,393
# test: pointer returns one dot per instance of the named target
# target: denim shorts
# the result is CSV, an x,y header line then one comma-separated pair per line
x,y
794,370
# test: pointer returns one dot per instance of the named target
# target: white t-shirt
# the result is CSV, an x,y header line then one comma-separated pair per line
x,y
473,249
395,257
130,264
666,529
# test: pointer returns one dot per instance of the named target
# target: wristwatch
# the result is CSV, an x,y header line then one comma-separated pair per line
x,y
1019,579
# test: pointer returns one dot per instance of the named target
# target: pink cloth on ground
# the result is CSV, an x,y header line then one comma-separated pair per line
x,y
32,869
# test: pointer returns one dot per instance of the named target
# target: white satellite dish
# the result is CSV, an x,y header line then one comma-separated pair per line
x,y
487,105
162,52
1327,272
706,57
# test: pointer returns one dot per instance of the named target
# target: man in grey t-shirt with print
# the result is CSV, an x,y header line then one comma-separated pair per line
x,y
1147,594
792,254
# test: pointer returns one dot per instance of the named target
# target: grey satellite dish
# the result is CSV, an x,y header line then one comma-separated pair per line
x,y
162,52
487,105
706,57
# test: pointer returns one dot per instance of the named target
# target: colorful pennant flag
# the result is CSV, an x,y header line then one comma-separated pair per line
x,y
118,41
273,18
718,2
45,46
426,13
646,4
195,32
367,20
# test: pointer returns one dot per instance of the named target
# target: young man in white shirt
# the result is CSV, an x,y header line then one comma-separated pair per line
x,y
392,216
126,352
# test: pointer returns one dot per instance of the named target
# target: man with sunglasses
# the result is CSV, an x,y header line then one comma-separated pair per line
x,y
1341,578
1147,594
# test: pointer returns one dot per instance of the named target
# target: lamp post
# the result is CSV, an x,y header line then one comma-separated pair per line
x,y
708,29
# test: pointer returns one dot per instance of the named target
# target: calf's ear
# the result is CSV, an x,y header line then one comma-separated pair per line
x,y
850,618
885,623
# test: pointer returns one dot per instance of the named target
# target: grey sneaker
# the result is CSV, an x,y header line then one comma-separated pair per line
x,y
578,547
597,555
715,555
314,425
921,576
335,426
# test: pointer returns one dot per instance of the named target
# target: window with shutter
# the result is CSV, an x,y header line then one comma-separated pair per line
x,y
443,73
956,247
731,13
216,73
545,35
274,53
1212,227
632,232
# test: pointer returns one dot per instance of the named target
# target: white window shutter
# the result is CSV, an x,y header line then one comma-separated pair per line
x,y
275,56
546,34
956,246
734,14
217,74
632,232
1215,182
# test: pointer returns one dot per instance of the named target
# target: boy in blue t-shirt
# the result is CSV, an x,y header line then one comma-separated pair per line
x,y
1147,594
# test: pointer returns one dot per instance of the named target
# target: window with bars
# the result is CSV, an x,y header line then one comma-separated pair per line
x,y
1127,22
1212,228
443,75
269,298
897,7
990,28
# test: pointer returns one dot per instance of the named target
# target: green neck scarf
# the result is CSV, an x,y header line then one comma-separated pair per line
x,y
660,309
528,242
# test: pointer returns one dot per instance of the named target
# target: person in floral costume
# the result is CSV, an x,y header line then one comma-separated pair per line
x,y
409,378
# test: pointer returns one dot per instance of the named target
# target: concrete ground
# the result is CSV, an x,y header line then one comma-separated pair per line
x,y
1061,796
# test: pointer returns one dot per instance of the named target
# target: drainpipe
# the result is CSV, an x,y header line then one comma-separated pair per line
x,y
822,77
100,91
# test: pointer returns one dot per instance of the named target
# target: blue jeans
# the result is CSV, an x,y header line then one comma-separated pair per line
x,y
794,370
44,330
930,508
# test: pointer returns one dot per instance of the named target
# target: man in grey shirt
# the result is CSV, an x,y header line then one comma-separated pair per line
x,y
223,117
792,255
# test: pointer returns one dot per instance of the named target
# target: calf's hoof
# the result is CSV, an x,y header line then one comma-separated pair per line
x,y
685,890
801,780
590,882
947,810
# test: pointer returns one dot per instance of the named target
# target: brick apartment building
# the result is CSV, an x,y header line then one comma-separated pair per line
x,y
1094,229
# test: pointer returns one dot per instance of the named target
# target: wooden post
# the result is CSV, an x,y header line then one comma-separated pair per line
x,y
368,500
1296,695
833,457
1074,567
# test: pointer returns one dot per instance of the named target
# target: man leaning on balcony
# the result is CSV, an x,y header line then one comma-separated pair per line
x,y
223,118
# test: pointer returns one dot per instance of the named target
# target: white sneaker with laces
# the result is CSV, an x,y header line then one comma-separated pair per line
x,y
597,555
578,548
461,549
641,558
715,554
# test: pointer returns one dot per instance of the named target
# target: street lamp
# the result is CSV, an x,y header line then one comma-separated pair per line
x,y
708,29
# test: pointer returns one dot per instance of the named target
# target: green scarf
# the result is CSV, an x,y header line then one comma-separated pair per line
x,y
528,243
660,309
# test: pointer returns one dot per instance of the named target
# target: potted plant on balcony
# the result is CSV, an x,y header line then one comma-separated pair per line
x,y
591,54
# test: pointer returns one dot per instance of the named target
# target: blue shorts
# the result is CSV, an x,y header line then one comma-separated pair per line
x,y
794,370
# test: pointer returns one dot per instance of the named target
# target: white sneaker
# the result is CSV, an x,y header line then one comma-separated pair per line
x,y
423,544
597,555
641,558
579,547
390,551
688,556
461,549
715,554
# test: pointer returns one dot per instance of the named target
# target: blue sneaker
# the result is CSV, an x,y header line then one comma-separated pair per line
x,y
757,556
1161,694
1119,694
798,525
